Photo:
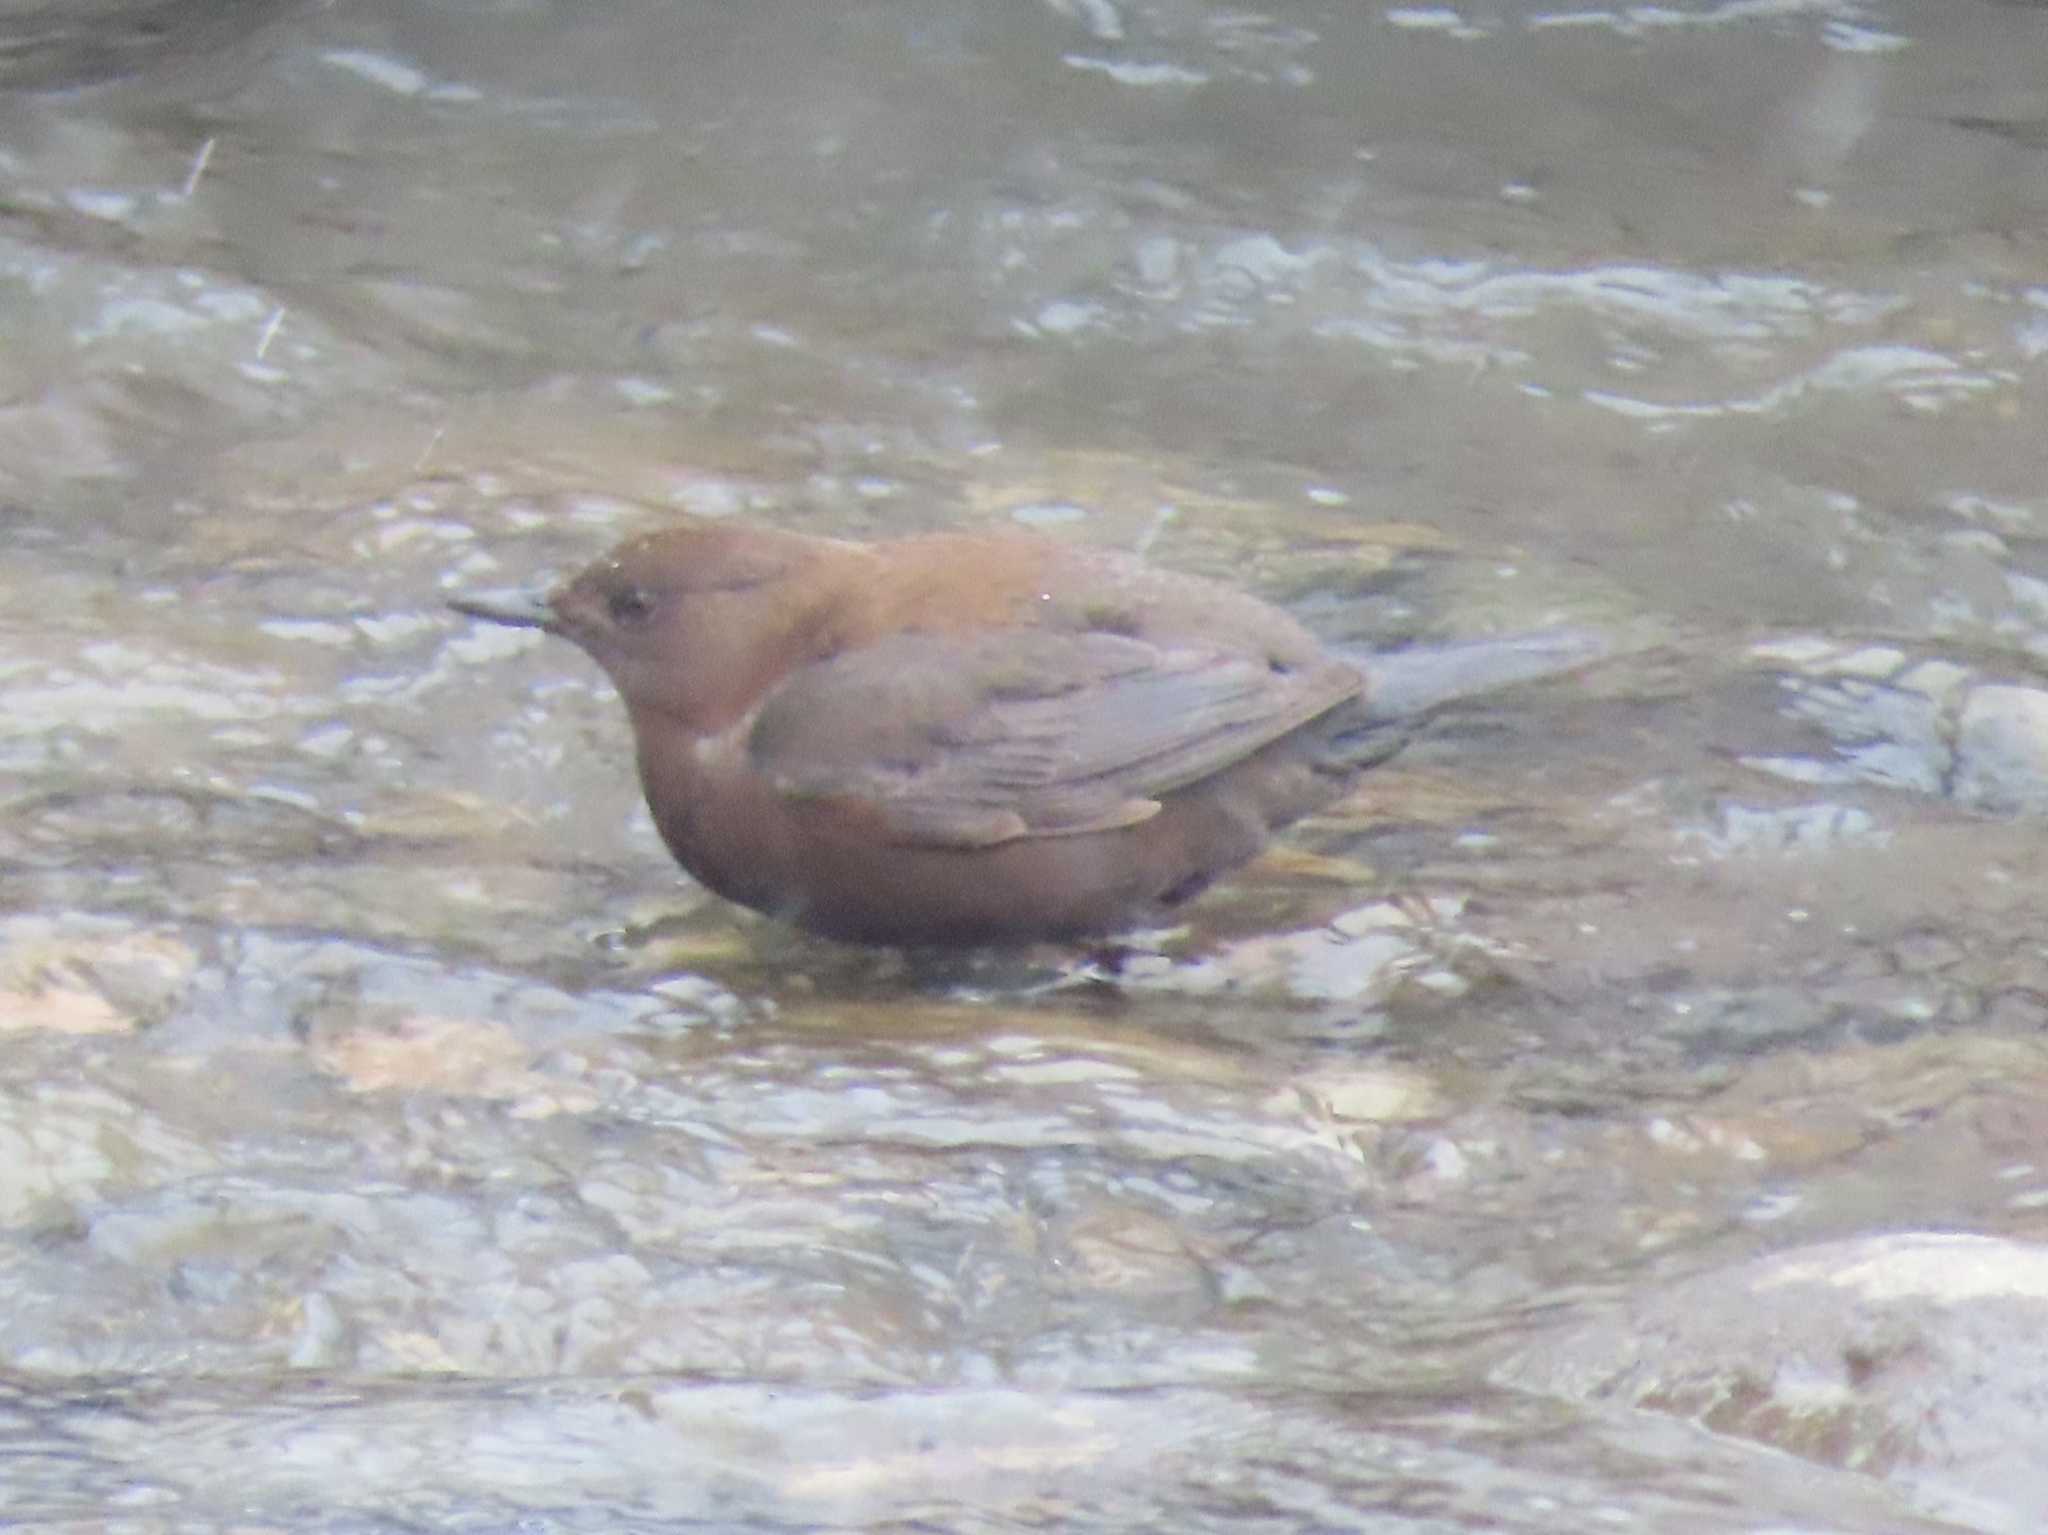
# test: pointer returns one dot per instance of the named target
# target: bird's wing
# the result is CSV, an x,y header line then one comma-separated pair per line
x,y
973,740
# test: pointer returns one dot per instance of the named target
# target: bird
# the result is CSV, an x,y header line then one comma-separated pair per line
x,y
956,739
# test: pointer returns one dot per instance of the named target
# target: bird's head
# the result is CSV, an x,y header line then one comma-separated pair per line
x,y
693,623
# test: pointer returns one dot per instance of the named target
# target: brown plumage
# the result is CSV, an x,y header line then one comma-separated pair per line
x,y
968,738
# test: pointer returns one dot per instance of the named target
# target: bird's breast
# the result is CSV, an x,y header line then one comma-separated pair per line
x,y
724,822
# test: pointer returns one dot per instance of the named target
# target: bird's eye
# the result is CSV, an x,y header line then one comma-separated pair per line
x,y
628,606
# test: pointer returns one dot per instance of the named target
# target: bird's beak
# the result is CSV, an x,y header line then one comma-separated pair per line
x,y
523,609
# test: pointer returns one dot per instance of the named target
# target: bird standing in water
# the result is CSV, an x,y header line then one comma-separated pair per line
x,y
966,738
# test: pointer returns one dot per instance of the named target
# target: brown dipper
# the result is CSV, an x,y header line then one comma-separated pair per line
x,y
973,738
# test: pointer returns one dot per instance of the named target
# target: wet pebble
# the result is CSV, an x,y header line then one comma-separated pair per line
x,y
1914,1354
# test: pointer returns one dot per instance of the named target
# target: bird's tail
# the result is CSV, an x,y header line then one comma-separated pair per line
x,y
1401,684
1402,687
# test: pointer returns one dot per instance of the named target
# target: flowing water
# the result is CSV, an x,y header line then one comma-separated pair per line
x,y
391,1138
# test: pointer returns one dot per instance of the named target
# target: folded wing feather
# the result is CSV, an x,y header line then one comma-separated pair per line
x,y
974,739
